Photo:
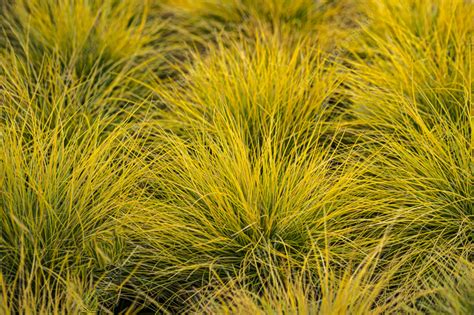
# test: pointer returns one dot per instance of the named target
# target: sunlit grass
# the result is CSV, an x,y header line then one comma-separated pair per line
x,y
236,157
63,191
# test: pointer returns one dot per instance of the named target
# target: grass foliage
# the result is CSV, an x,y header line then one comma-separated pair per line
x,y
236,157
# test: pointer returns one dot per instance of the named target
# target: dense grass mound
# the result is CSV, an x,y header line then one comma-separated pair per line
x,y
236,157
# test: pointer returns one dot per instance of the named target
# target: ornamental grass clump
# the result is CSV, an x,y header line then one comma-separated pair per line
x,y
410,86
63,190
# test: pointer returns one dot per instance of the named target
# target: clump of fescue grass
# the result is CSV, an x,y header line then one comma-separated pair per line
x,y
105,51
419,50
256,89
222,209
84,34
63,190
66,180
326,23
248,176
411,94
